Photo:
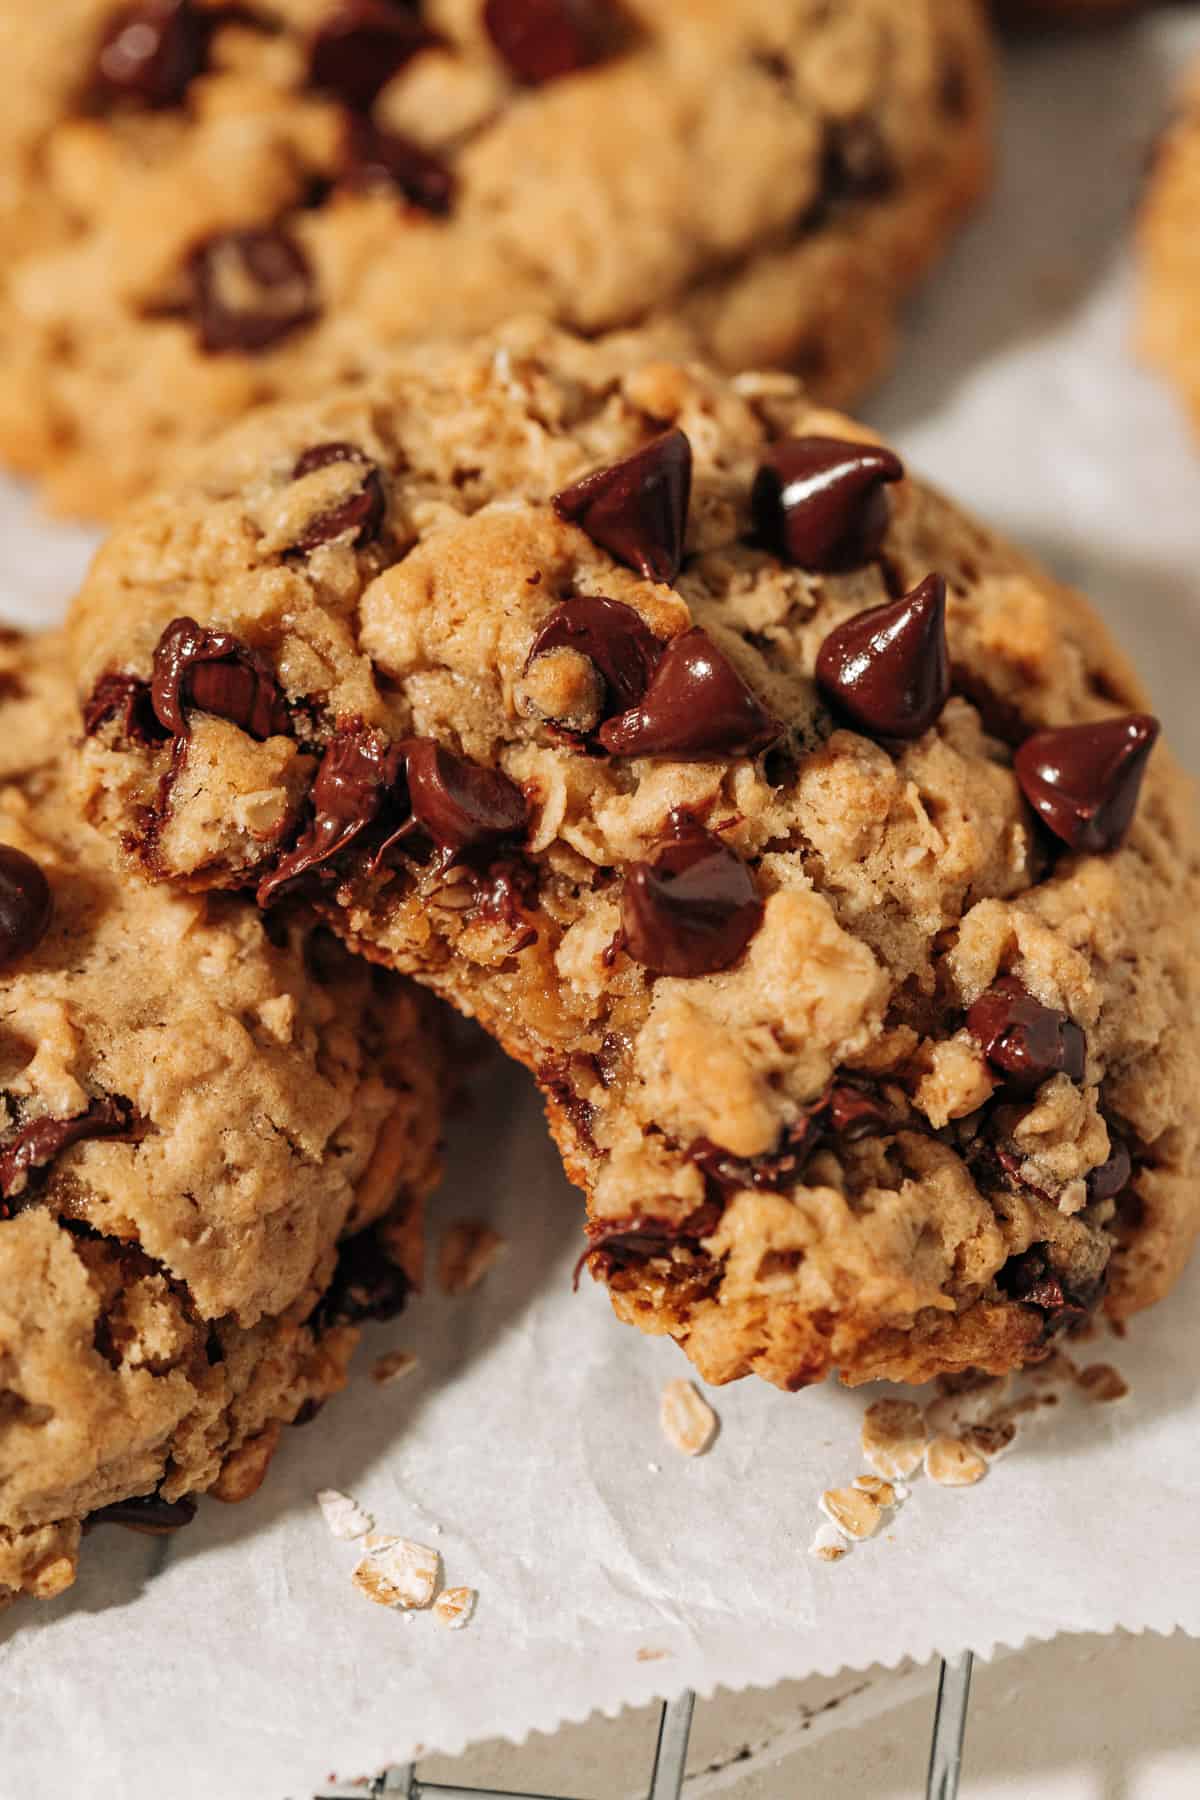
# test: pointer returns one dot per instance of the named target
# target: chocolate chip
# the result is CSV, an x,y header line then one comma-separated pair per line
x,y
637,508
696,705
125,698
1083,781
34,1146
635,1237
1025,1042
612,636
819,502
214,672
361,45
357,773
376,158
852,1114
26,905
148,1512
150,54
887,670
460,804
1112,1176
541,40
843,1112
366,1285
361,513
250,289
1032,1279
856,163
693,910
505,892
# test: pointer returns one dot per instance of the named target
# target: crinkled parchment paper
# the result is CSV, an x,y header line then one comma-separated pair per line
x,y
236,1660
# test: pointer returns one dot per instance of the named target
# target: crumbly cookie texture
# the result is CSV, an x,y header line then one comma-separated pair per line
x,y
206,206
860,1066
195,1106
1170,252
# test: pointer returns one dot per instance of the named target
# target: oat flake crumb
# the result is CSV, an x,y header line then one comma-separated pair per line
x,y
688,1421
828,1544
344,1516
393,1367
894,1438
951,1463
468,1251
455,1607
397,1572
882,1492
1100,1382
852,1511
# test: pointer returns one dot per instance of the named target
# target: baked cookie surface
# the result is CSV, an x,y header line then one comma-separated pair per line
x,y
194,1109
550,675
205,206
1170,250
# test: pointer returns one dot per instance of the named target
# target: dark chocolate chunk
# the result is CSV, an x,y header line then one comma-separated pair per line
x,y
819,502
693,910
696,705
851,1113
26,905
127,699
150,53
33,1147
1083,781
633,1238
1032,1279
376,158
1025,1042
460,804
250,290
358,772
887,670
361,513
541,40
214,672
611,635
1112,1176
147,1512
361,45
637,508
843,1112
366,1285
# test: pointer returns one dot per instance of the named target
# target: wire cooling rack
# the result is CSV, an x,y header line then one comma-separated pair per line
x,y
670,1755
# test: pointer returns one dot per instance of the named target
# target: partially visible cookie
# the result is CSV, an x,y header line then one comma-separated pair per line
x,y
205,206
1169,243
808,843
195,1107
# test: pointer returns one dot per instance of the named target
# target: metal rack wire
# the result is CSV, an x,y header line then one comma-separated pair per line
x,y
670,1754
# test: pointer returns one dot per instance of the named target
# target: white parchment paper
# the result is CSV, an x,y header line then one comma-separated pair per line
x,y
236,1662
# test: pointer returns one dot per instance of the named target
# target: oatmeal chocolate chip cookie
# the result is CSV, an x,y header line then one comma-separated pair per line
x,y
809,844
1170,250
195,1106
208,205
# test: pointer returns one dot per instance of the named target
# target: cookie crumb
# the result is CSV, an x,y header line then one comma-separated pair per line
x,y
455,1607
393,1367
397,1572
893,1438
468,1251
688,1421
1101,1382
951,1463
854,1513
828,1544
344,1516
882,1492
651,1655
990,1438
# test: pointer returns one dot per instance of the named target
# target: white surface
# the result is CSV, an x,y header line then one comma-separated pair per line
x,y
250,1665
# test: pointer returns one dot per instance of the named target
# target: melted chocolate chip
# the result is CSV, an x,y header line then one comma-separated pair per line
x,y
852,1114
696,705
843,1112
361,513
637,1236
1025,1042
34,1146
360,46
149,1513
460,804
26,905
611,635
1032,1279
365,1285
1083,781
505,891
693,910
127,699
555,1079
1112,1176
358,772
250,289
819,502
541,40
214,672
150,54
376,158
637,508
887,670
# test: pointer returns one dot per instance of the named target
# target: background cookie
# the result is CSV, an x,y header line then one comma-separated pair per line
x,y
1170,251
207,206
859,1067
192,1113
